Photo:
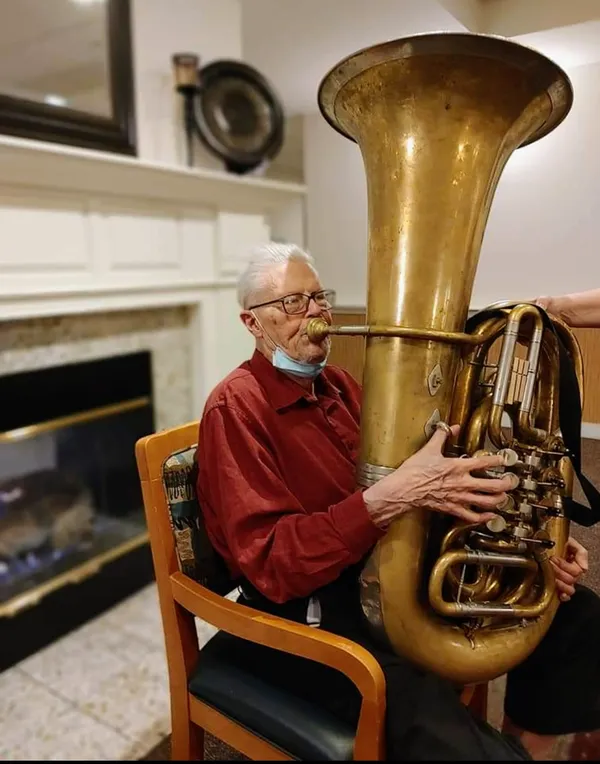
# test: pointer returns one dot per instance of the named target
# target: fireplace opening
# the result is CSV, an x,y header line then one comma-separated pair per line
x,y
71,510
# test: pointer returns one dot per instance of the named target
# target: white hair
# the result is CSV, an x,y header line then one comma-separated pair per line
x,y
263,259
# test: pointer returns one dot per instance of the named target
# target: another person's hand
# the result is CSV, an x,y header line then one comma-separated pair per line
x,y
560,307
569,569
429,480
547,303
576,309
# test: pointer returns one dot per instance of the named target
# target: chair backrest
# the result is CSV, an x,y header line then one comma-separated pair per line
x,y
167,469
196,555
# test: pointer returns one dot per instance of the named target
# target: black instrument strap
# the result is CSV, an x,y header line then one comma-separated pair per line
x,y
569,416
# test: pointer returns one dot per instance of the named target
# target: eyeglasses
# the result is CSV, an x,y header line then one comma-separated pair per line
x,y
293,304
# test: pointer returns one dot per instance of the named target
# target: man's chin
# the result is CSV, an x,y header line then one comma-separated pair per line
x,y
318,356
316,353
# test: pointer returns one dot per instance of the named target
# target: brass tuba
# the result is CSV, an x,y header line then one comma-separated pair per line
x,y
436,117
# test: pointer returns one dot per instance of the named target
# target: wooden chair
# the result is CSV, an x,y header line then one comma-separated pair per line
x,y
260,721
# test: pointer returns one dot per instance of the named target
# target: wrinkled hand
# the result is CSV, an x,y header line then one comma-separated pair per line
x,y
429,480
569,569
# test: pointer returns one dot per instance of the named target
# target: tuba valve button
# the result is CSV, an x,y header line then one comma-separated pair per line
x,y
509,456
497,524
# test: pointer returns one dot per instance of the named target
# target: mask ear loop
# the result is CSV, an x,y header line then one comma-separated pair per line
x,y
274,346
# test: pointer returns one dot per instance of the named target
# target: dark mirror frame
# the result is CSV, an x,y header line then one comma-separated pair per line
x,y
58,124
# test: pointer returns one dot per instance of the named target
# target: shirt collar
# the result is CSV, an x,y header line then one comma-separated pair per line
x,y
281,390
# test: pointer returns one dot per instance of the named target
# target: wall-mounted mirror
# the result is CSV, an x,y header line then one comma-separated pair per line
x,y
66,72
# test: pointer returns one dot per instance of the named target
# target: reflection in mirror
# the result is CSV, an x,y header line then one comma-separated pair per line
x,y
56,52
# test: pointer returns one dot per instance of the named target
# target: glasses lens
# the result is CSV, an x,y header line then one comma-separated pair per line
x,y
295,303
298,303
325,299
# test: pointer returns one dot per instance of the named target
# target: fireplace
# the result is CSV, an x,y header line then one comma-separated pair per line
x,y
73,538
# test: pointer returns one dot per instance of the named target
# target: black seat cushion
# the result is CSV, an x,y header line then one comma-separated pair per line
x,y
303,731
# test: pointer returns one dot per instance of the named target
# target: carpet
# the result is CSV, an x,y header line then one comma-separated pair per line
x,y
214,750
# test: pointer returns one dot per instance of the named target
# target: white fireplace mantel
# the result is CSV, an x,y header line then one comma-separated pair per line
x,y
88,232
82,230
63,168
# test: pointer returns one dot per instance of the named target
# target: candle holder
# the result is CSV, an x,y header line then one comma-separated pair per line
x,y
232,109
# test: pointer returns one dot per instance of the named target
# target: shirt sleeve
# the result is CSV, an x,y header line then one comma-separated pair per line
x,y
281,549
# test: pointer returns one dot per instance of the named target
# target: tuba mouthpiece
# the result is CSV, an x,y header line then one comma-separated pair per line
x,y
317,329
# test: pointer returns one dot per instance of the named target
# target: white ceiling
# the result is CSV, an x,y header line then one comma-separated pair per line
x,y
295,42
570,46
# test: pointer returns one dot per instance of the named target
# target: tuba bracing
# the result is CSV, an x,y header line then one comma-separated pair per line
x,y
436,117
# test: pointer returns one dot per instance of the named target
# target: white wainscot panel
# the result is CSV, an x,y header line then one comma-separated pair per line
x,y
235,343
147,242
44,234
83,231
220,342
140,235
237,234
199,245
287,223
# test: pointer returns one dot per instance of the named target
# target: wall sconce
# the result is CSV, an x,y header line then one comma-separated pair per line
x,y
185,70
232,109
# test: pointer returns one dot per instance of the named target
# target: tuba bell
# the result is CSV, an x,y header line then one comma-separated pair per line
x,y
436,117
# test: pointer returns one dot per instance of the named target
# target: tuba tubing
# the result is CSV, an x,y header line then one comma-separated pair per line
x,y
436,117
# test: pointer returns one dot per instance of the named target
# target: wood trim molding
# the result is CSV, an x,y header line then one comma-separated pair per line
x,y
343,310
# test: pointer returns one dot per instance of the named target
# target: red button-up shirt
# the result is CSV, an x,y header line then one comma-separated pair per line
x,y
276,480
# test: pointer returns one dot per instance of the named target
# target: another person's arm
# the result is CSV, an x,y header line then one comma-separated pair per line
x,y
287,552
578,309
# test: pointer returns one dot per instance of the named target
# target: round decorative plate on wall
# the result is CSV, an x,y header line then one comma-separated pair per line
x,y
238,115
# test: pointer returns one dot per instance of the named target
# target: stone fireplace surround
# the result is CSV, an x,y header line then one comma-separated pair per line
x,y
37,343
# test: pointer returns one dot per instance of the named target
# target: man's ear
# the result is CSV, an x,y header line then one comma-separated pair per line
x,y
251,324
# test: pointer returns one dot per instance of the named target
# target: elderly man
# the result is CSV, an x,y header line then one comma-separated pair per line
x,y
278,442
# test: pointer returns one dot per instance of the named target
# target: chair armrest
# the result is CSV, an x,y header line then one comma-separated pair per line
x,y
340,653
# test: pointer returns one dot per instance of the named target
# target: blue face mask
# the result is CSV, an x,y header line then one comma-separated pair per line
x,y
282,361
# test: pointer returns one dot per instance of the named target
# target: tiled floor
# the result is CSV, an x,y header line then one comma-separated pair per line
x,y
100,693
